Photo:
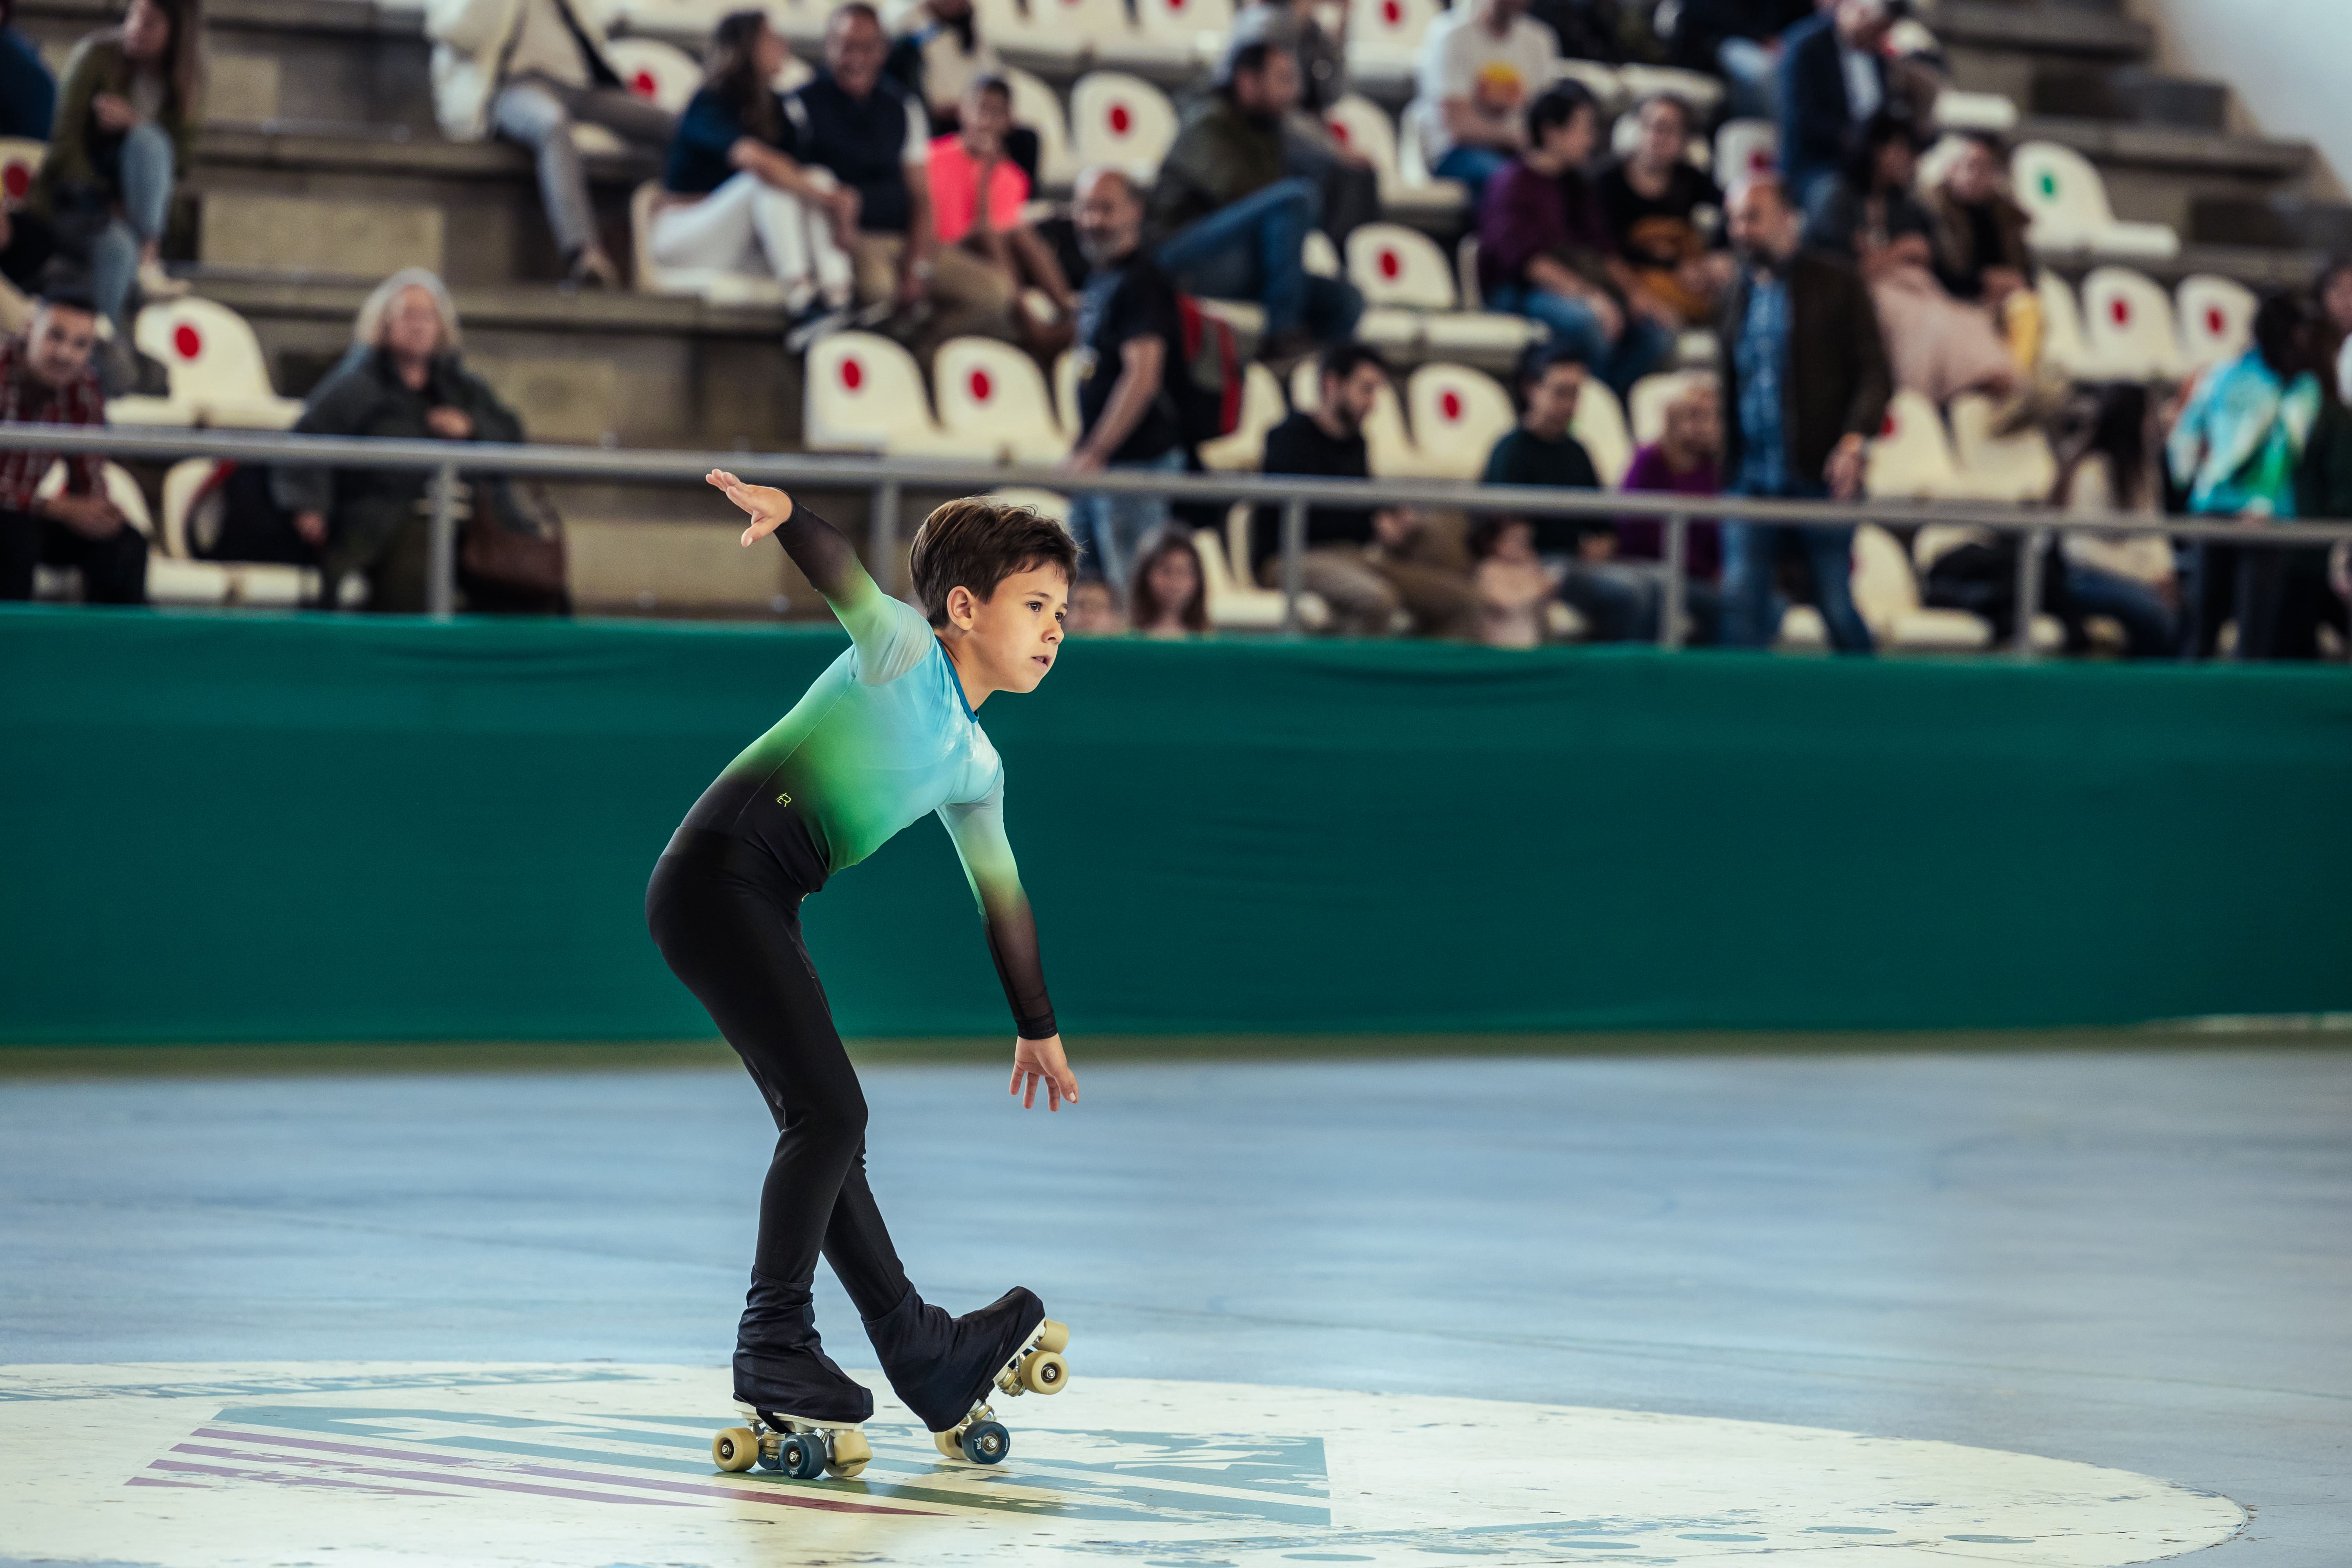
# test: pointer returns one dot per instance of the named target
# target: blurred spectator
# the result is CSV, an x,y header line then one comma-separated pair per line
x,y
1512,583
46,378
1171,594
1616,603
401,378
126,117
1805,385
1230,217
29,93
1833,77
1481,62
1363,563
1660,208
1545,248
1094,610
862,127
1687,460
26,246
735,201
1612,32
978,195
1739,40
1936,346
1351,187
1981,255
1127,346
530,70
2332,300
937,55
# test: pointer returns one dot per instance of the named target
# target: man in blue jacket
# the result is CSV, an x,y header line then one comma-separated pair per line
x,y
29,93
1833,76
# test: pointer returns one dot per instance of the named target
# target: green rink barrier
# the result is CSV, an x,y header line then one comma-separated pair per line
x,y
249,828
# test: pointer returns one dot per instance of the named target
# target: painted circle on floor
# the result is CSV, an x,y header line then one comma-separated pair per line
x,y
399,1463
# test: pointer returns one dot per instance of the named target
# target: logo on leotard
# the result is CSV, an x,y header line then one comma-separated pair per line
x,y
783,800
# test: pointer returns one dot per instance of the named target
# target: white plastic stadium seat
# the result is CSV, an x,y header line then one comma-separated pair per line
x,y
2063,347
1363,128
1601,81
1599,427
1645,408
1066,377
1886,592
178,576
2068,202
662,74
865,394
1035,106
1701,91
2128,321
2216,319
1458,415
1114,38
2018,468
1384,36
1745,147
1389,447
1120,120
20,160
1912,456
1409,294
1045,504
214,365
1199,27
991,394
1262,409
1320,256
1957,110
1236,601
702,282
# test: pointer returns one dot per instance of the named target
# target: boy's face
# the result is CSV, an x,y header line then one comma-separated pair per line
x,y
1011,638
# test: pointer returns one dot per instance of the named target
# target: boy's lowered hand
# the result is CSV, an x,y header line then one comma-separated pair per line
x,y
768,506
1034,1059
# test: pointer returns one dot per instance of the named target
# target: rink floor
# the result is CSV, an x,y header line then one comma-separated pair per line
x,y
2132,1258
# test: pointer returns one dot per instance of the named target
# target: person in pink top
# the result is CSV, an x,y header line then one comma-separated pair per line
x,y
977,195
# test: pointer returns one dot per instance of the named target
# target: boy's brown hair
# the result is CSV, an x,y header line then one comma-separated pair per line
x,y
977,544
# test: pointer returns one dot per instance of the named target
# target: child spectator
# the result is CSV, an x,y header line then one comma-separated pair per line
x,y
735,200
1094,610
977,192
1687,460
46,378
1659,209
1512,583
1481,63
1172,594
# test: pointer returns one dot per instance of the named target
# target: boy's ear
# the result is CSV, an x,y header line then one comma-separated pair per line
x,y
963,607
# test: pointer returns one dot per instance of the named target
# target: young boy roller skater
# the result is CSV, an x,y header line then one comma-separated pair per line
x,y
888,733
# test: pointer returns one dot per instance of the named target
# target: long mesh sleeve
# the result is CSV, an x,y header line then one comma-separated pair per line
x,y
978,828
891,636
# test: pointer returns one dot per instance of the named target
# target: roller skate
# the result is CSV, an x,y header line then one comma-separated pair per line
x,y
946,1368
801,1412
795,1446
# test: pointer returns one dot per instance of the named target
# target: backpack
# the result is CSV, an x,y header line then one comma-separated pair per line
x,y
1206,382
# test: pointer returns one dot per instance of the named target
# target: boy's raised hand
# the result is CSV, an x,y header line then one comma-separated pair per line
x,y
1034,1059
769,508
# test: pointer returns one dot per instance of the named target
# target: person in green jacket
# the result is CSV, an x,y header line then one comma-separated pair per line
x,y
127,116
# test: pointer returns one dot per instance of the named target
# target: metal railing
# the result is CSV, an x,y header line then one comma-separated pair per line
x,y
887,480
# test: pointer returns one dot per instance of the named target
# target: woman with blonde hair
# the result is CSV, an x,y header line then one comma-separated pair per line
x,y
401,378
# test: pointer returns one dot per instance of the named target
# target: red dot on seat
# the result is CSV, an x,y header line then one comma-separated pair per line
x,y
17,181
1886,425
1449,406
1175,5
186,341
1339,132
2120,310
853,375
1121,121
2215,322
643,84
981,387
1393,13
1391,264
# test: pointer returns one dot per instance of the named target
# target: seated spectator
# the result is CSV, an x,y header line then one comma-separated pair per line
x,y
1616,603
1870,204
1511,580
1687,460
1172,592
1833,76
861,126
1368,564
1231,220
1739,40
401,378
937,54
1093,610
46,378
29,93
1981,255
2331,300
734,199
1128,330
1805,386
1545,249
530,71
1350,185
126,117
1660,209
977,192
26,247
1481,63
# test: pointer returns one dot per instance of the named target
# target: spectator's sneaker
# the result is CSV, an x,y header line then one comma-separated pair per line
x,y
155,284
1285,348
945,1368
818,322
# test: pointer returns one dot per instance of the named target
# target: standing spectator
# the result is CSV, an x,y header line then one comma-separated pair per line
x,y
1172,592
2332,297
1360,561
530,71
1805,385
1231,219
977,192
860,125
1128,323
1660,208
29,93
1687,460
1351,187
1616,603
734,198
1512,582
1739,40
1833,78
46,378
126,126
1545,248
1481,62
401,378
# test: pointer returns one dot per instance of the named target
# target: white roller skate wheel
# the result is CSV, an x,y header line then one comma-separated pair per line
x,y
945,1442
1054,1336
735,1450
846,1455
1045,1373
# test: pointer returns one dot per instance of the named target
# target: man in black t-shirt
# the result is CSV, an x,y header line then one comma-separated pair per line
x,y
1666,215
1357,558
1128,345
1616,602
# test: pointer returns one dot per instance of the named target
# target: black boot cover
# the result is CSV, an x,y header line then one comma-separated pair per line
x,y
942,1366
780,1367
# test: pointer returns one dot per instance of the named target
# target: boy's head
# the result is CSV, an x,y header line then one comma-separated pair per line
x,y
999,577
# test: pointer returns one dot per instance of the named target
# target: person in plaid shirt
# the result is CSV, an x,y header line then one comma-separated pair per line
x,y
46,378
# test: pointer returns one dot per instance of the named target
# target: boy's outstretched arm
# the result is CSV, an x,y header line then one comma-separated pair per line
x,y
978,829
877,622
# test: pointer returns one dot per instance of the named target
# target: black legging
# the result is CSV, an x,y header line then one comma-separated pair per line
x,y
725,913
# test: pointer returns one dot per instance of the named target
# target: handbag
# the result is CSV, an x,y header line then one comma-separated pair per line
x,y
510,556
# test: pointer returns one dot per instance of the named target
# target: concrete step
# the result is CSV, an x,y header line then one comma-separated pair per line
x,y
2129,93
2153,174
2000,45
2257,267
2271,222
